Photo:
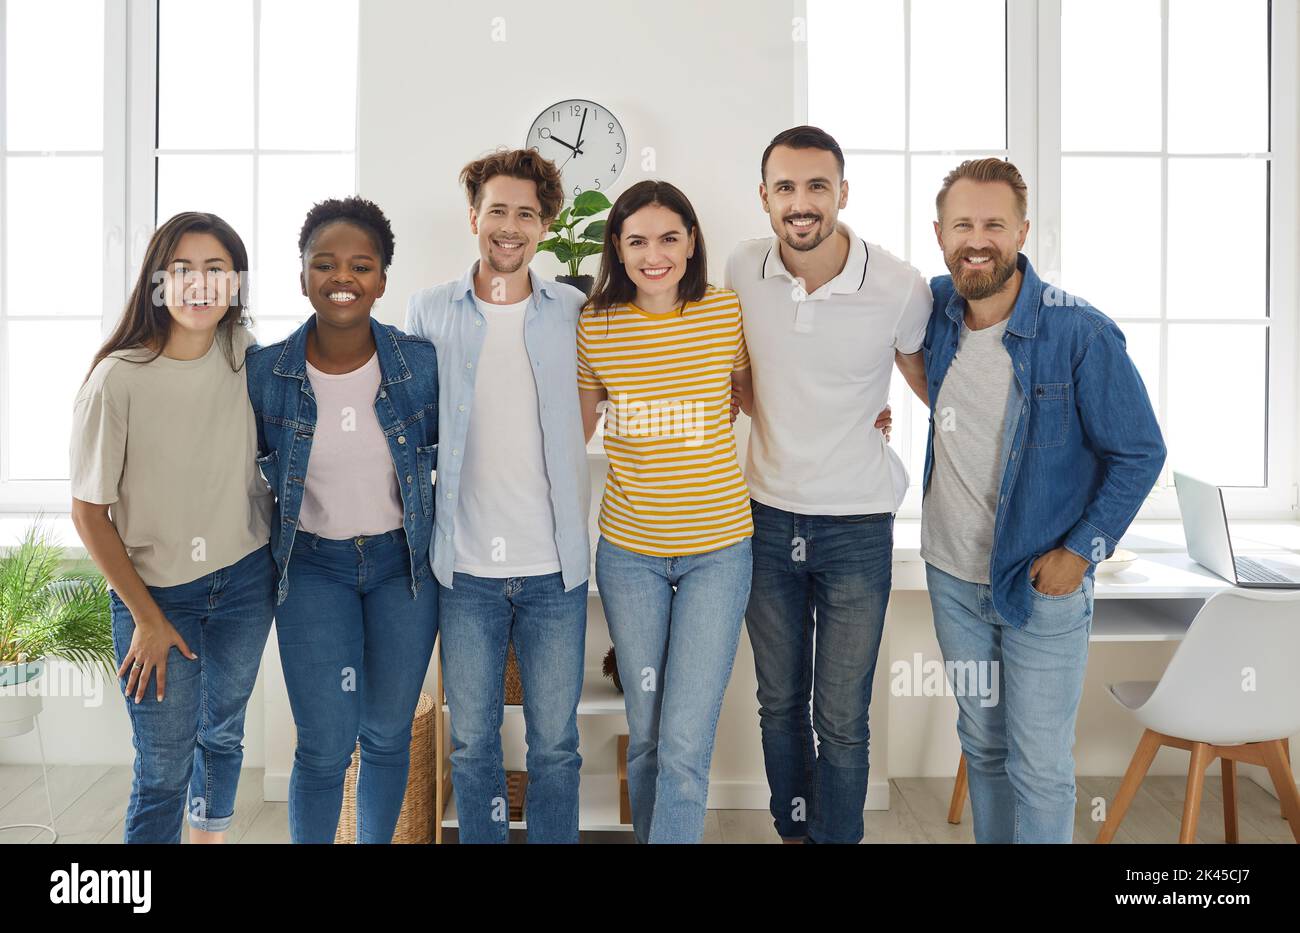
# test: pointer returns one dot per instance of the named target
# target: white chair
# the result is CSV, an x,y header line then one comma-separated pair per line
x,y
1230,692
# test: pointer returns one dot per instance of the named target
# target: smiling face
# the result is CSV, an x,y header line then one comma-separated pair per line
x,y
804,194
508,222
980,231
201,282
654,246
341,273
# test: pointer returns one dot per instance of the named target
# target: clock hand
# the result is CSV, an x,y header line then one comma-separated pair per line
x,y
564,144
581,125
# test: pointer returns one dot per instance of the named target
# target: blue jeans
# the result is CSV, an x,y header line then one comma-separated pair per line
x,y
481,616
675,622
355,648
193,740
822,578
1019,750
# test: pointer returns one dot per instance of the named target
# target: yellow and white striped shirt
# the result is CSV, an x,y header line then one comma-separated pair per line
x,y
674,485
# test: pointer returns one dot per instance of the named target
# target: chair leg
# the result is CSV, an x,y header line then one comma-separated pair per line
x,y
1201,758
1286,753
1279,769
958,793
1229,799
1128,788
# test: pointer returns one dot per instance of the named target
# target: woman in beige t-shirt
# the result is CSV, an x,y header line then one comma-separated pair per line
x,y
168,499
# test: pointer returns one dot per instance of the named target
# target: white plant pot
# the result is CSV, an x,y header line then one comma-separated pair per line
x,y
20,698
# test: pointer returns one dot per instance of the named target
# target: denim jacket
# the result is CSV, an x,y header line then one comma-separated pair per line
x,y
447,315
1081,447
406,406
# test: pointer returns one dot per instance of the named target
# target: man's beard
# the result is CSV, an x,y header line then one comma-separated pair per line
x,y
976,285
507,269
803,245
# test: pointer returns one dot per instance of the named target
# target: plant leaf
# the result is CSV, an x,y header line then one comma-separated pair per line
x,y
594,231
590,202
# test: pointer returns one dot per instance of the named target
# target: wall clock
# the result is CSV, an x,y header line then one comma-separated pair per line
x,y
585,140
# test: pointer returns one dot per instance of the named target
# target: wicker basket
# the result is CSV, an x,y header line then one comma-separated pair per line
x,y
514,683
415,823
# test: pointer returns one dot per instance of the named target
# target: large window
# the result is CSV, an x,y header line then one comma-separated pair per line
x,y
283,138
118,115
1161,188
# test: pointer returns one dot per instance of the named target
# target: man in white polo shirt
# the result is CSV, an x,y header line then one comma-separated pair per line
x,y
826,317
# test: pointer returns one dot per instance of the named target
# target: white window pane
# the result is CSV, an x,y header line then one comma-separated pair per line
x,y
1218,76
1110,75
46,359
272,329
959,82
1217,394
300,37
1223,274
217,184
875,209
1143,343
55,200
205,74
928,173
289,186
1106,201
855,72
54,72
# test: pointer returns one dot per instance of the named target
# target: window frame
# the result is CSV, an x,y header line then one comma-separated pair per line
x,y
1033,108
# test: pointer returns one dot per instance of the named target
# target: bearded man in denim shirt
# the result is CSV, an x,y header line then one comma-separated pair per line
x,y
1043,445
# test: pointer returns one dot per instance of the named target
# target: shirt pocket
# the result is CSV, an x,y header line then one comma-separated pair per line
x,y
426,459
1049,414
269,465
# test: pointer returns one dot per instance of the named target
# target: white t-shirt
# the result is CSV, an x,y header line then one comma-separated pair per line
x,y
822,364
351,486
504,523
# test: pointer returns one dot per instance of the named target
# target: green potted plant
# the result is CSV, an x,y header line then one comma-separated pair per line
x,y
44,614
571,246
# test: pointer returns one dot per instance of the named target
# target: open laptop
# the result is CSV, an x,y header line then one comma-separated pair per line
x,y
1205,522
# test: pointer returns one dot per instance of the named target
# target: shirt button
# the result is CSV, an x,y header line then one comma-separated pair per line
x,y
408,479
455,453
460,407
1013,455
448,495
401,439
478,323
383,394
469,365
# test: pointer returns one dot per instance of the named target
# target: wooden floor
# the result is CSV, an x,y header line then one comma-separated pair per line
x,y
90,801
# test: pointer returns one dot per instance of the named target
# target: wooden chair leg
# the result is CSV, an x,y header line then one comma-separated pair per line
x,y
1202,755
1128,788
1279,769
1229,800
1286,752
958,793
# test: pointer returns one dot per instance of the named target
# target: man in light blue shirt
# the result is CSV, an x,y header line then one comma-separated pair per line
x,y
510,547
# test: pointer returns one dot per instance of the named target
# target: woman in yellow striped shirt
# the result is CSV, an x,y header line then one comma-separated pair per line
x,y
659,350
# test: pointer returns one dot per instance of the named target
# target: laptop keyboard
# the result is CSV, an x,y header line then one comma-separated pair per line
x,y
1252,571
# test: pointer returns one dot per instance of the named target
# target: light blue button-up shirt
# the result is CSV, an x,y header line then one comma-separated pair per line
x,y
447,316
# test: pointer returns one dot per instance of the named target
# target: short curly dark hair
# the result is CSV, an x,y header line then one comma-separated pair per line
x,y
354,210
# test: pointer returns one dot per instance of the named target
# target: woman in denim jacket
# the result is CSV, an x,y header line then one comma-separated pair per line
x,y
347,430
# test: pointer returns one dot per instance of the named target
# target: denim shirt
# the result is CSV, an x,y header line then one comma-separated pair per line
x,y
406,406
447,315
1081,447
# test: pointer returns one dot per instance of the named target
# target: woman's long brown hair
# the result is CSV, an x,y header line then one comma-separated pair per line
x,y
146,322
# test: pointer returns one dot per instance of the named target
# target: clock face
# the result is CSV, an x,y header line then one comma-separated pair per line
x,y
585,140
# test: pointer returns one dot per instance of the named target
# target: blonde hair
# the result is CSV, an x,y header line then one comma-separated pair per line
x,y
986,170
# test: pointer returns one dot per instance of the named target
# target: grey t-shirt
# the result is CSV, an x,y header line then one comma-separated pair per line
x,y
171,447
961,503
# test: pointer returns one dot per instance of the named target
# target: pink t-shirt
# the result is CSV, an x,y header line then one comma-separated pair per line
x,y
351,486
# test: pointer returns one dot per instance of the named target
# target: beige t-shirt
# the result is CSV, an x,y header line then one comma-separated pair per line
x,y
171,447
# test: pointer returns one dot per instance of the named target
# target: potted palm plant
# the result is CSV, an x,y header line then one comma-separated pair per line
x,y
571,246
46,614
